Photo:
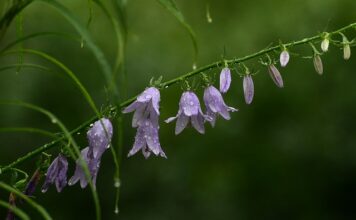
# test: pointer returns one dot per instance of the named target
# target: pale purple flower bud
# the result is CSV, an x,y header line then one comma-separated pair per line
x,y
325,44
147,140
215,105
284,58
145,106
57,174
275,75
99,137
79,174
248,88
318,64
225,80
189,111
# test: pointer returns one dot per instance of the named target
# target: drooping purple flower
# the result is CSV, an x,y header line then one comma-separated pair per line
x,y
215,105
56,174
249,90
79,174
275,75
284,58
32,184
145,106
225,80
147,140
318,64
189,110
99,137
146,119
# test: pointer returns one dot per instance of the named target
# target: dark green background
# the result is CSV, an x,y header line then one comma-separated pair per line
x,y
289,155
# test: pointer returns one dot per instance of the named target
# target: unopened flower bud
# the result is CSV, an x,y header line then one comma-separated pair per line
x,y
248,89
318,64
347,49
275,75
325,44
284,58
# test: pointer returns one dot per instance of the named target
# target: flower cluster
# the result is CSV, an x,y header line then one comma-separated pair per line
x,y
146,120
99,138
146,116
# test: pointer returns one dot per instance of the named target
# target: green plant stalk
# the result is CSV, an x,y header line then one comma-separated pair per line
x,y
214,65
35,205
22,215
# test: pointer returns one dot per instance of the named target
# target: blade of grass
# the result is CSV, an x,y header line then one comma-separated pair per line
x,y
30,201
171,6
21,214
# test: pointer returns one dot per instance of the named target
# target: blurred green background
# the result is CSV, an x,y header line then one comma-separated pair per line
x,y
289,155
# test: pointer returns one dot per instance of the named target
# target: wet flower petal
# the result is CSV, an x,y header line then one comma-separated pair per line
x,y
99,137
79,174
189,110
225,80
275,75
147,140
215,104
145,102
248,87
56,174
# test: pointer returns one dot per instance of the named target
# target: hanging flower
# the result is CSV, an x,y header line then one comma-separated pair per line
x,y
248,88
56,174
275,75
147,140
146,118
145,106
215,105
100,138
284,58
225,80
79,174
189,110
318,64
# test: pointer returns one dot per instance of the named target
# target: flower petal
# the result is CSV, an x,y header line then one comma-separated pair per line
x,y
182,122
189,103
225,80
198,123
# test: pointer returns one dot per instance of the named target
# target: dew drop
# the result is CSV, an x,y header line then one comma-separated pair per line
x,y
117,183
78,133
166,87
91,125
54,121
194,66
116,211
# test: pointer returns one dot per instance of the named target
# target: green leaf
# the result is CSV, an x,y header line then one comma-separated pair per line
x,y
171,6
